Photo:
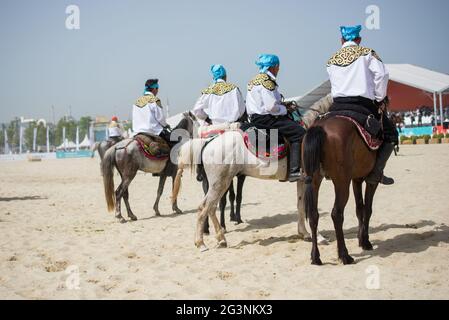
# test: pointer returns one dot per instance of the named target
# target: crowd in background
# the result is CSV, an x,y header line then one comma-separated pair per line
x,y
422,117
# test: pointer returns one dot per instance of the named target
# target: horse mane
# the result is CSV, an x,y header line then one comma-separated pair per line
x,y
320,107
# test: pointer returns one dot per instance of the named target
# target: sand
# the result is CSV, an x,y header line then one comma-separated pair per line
x,y
57,241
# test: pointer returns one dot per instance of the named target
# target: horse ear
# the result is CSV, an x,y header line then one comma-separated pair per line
x,y
192,115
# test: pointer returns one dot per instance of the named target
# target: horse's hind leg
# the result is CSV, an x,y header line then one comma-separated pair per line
x,y
369,197
314,217
118,203
223,209
341,199
359,207
128,207
160,190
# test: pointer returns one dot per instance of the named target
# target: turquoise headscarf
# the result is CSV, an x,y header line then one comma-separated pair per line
x,y
350,33
266,61
218,71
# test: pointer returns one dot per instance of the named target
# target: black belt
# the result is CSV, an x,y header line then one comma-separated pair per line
x,y
368,103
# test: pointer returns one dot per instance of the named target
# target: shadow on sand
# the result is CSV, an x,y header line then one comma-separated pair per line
x,y
22,198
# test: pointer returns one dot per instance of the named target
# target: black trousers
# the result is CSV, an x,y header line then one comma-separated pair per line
x,y
287,128
390,133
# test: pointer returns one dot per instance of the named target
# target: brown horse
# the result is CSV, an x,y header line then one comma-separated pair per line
x,y
333,147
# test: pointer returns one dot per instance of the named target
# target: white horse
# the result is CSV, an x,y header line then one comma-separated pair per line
x,y
227,156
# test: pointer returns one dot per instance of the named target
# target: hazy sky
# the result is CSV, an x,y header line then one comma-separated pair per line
x,y
101,68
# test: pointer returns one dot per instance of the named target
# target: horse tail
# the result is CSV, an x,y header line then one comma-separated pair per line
x,y
313,147
107,167
188,156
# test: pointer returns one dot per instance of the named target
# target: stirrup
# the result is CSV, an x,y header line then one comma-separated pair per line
x,y
296,176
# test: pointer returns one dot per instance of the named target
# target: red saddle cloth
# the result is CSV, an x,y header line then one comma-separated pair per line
x,y
276,153
371,142
152,147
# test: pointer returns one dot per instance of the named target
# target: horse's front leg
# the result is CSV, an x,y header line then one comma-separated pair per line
x,y
160,190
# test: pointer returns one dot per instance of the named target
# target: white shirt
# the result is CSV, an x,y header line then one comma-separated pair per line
x,y
114,130
221,102
366,76
149,118
261,100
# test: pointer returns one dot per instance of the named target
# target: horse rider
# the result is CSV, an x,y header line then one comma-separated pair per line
x,y
265,107
115,130
148,114
222,102
359,77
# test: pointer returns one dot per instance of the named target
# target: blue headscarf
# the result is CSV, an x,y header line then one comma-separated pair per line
x,y
152,86
218,71
266,61
350,33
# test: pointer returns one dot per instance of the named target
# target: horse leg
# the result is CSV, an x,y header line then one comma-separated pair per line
x,y
302,231
128,207
207,209
232,200
118,203
240,182
175,203
369,196
222,209
341,199
129,176
312,191
205,185
359,206
160,190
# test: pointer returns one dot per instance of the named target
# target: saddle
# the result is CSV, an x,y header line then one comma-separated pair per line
x,y
262,149
369,128
153,147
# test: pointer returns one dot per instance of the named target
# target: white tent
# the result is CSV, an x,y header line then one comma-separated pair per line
x,y
67,145
85,144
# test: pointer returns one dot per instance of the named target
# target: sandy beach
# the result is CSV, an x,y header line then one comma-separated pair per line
x,y
57,240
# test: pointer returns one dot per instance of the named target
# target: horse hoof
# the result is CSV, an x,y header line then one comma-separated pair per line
x,y
322,241
367,246
177,211
203,248
305,237
347,259
222,244
121,220
133,218
317,262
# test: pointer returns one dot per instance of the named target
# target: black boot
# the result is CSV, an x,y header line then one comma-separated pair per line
x,y
377,175
295,162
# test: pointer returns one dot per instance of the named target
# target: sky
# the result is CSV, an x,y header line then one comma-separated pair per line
x,y
101,68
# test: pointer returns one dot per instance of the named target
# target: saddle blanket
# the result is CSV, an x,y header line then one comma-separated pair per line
x,y
153,147
205,132
265,152
371,142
